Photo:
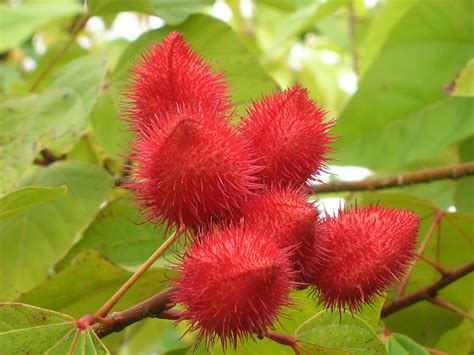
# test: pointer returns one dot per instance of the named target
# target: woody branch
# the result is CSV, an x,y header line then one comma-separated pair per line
x,y
455,171
428,292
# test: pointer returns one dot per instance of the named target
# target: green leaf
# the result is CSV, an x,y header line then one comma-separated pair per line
x,y
85,151
55,119
31,330
109,129
22,199
90,280
85,76
102,7
301,20
401,114
158,337
35,239
399,344
340,332
380,30
20,22
121,234
457,340
216,41
463,85
172,11
464,194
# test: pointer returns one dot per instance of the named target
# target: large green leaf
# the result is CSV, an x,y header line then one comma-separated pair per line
x,y
300,20
340,332
88,282
25,329
19,22
171,11
399,344
55,119
216,41
121,234
458,340
34,240
158,337
401,112
22,199
386,19
109,128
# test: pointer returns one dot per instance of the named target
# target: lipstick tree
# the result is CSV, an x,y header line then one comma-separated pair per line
x,y
171,194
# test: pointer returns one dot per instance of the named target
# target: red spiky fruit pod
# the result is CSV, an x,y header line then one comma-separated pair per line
x,y
170,76
288,216
190,171
287,132
233,283
361,253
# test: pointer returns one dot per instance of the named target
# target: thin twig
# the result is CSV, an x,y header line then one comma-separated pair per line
x,y
434,351
421,249
170,314
428,291
105,309
435,266
353,36
445,304
81,24
455,171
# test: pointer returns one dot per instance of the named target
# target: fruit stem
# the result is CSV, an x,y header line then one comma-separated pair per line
x,y
284,340
444,304
435,266
429,291
105,309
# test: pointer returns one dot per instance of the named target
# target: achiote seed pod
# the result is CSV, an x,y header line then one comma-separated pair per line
x,y
233,283
190,170
288,216
170,77
288,136
361,253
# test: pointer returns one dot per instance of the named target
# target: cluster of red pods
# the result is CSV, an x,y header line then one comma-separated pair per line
x,y
239,190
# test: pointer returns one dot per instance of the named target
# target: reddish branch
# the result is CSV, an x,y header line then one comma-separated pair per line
x,y
455,171
429,292
48,158
445,304
150,308
284,340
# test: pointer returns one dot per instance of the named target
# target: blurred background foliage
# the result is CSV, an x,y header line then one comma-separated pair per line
x,y
397,75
